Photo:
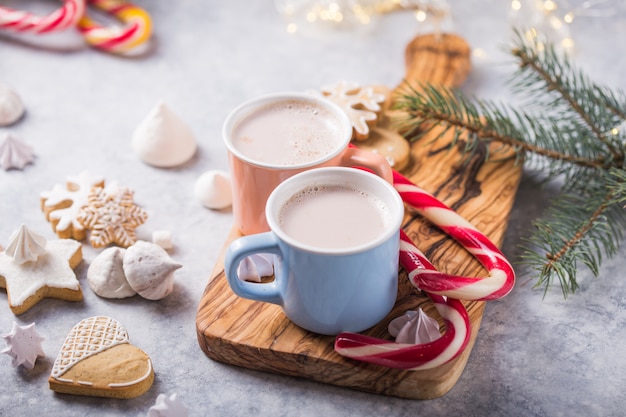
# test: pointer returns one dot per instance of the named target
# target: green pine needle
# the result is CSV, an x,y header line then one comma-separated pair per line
x,y
568,128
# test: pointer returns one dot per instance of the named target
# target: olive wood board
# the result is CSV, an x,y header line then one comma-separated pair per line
x,y
258,335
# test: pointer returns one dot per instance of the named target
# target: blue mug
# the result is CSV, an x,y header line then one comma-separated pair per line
x,y
326,289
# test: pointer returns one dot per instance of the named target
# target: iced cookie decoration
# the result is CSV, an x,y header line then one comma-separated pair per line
x,y
62,204
149,270
24,345
50,274
112,216
384,138
11,107
168,406
162,139
414,327
361,104
106,276
213,190
14,153
97,359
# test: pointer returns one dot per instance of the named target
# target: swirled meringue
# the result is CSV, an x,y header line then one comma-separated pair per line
x,y
14,153
25,245
414,327
149,270
254,267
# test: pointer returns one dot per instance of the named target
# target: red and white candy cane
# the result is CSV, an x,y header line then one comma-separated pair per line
x,y
501,277
113,39
409,356
63,18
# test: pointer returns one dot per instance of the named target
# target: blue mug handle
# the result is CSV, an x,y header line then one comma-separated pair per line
x,y
243,247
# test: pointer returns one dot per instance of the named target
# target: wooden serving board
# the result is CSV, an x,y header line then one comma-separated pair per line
x,y
258,336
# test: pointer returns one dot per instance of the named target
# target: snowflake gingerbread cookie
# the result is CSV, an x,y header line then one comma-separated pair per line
x,y
24,345
112,216
62,204
361,104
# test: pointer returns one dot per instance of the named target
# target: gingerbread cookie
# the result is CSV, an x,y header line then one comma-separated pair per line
x,y
32,269
62,204
97,359
112,216
361,104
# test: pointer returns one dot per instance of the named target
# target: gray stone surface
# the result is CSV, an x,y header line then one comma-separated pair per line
x,y
534,356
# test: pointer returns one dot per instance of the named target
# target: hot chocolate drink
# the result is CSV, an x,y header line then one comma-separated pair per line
x,y
288,132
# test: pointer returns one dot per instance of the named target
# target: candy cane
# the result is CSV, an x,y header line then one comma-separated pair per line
x,y
501,277
137,29
409,356
63,18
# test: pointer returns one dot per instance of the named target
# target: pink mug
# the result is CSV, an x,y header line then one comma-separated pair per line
x,y
276,136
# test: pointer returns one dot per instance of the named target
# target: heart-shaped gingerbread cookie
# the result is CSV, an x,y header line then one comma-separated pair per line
x,y
98,360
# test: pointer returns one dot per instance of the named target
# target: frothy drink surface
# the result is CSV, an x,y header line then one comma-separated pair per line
x,y
333,217
286,133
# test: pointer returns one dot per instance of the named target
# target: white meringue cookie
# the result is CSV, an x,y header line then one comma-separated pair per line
x,y
106,276
162,139
25,245
14,153
213,190
11,107
149,270
414,327
254,267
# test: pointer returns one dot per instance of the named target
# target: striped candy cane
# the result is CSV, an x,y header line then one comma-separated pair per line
x,y
501,277
438,286
409,356
63,18
137,29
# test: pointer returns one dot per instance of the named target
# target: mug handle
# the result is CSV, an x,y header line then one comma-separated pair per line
x,y
354,156
241,248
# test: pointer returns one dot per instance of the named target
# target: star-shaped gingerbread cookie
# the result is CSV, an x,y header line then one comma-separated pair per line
x,y
50,275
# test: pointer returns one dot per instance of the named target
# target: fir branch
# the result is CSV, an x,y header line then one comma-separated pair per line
x,y
574,129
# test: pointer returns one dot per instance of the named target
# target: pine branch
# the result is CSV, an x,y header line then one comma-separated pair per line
x,y
572,129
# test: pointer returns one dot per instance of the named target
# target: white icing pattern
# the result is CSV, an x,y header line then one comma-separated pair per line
x,y
360,104
89,337
63,202
51,269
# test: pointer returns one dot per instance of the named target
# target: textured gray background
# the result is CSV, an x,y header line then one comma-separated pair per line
x,y
534,356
